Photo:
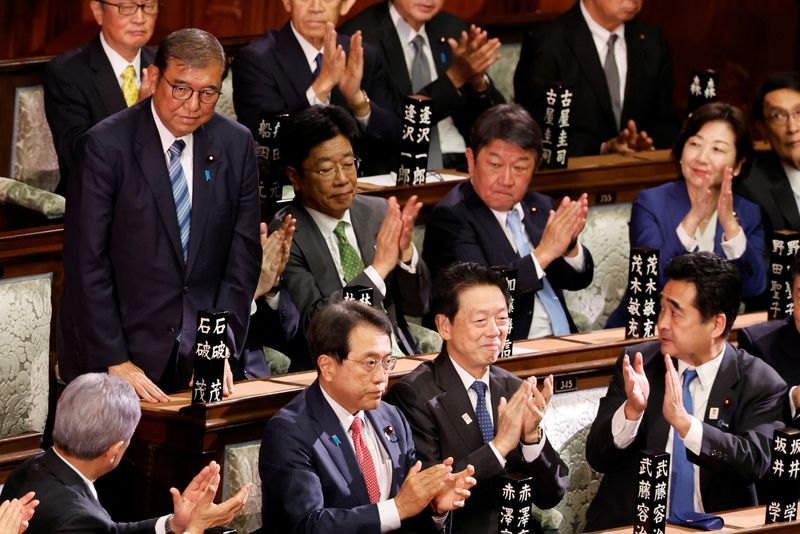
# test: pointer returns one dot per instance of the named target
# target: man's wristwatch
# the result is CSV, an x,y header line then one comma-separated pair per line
x,y
167,527
538,439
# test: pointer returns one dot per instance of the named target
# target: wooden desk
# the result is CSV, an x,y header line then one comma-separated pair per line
x,y
744,521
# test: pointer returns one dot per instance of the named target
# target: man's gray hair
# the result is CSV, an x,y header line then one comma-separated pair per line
x,y
193,46
95,411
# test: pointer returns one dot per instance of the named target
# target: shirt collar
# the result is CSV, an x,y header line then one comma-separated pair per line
x,y
707,372
502,216
793,174
326,223
83,477
309,50
404,31
466,378
598,31
345,417
119,63
166,136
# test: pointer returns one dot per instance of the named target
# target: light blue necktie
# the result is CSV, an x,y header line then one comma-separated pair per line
x,y
180,192
484,419
682,485
547,295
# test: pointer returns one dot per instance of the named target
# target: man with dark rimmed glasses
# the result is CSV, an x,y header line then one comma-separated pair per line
x,y
102,77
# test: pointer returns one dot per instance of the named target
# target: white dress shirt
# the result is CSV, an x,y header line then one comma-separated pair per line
x,y
793,174
600,37
187,159
119,63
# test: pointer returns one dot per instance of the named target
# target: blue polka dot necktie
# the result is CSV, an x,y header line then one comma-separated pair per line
x,y
484,420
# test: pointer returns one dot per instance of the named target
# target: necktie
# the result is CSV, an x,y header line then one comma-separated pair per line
x,y
365,462
612,78
180,192
350,258
420,77
318,61
129,89
547,295
682,486
484,420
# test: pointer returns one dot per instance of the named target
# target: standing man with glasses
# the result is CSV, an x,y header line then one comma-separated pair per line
x,y
337,458
344,239
162,222
104,76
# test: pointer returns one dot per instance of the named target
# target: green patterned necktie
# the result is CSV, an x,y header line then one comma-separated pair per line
x,y
351,261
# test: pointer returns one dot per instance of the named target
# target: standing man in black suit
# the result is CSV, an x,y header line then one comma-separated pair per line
x,y
433,53
777,342
495,220
692,394
162,222
774,179
95,420
620,72
305,63
104,76
447,400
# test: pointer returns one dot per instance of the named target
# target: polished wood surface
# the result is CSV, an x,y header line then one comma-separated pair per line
x,y
744,521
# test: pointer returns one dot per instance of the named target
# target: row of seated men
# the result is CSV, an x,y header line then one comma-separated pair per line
x,y
434,455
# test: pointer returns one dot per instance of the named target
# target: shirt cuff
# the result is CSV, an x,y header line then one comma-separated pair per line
x,y
273,301
792,407
688,242
377,281
389,516
578,261
694,437
161,524
734,247
253,307
364,121
539,270
412,267
498,455
312,98
532,452
624,431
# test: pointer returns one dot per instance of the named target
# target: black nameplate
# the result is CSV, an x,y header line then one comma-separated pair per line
x,y
209,356
564,383
605,198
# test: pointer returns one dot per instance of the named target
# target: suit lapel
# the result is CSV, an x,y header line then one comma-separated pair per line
x,y
535,219
69,478
781,191
501,250
207,157
442,53
359,217
656,428
104,81
292,61
380,422
455,402
309,240
153,165
636,62
393,50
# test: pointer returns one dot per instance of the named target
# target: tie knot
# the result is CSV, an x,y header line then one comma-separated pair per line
x,y
612,39
513,218
479,388
177,147
129,73
355,426
688,376
339,230
318,60
418,42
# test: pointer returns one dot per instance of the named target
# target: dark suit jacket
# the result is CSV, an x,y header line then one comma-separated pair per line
x,y
564,51
777,343
462,228
736,445
310,478
271,76
463,106
66,503
312,280
127,293
768,186
433,399
80,90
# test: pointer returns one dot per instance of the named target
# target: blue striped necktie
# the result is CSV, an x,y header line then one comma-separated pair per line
x,y
682,483
180,192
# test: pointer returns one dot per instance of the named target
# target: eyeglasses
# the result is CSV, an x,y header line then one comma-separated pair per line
x,y
126,9
370,364
348,166
781,116
184,92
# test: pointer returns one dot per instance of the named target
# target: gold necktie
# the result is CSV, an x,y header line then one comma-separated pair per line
x,y
129,89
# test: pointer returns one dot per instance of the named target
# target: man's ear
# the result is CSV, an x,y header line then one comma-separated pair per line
x,y
345,7
470,160
720,321
153,73
443,326
294,177
97,11
325,364
114,451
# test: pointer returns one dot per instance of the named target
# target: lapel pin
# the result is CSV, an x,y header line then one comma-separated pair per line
x,y
208,175
642,37
389,433
722,424
210,158
467,419
713,413
727,402
534,210
335,439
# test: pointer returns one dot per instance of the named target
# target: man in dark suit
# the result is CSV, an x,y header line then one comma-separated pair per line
x,y
494,220
774,180
445,405
344,239
453,60
777,342
148,244
104,76
692,394
95,420
337,458
619,70
306,63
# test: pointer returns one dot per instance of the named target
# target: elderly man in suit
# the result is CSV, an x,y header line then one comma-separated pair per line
x,y
462,406
777,342
494,219
95,419
433,53
344,239
691,393
104,76
162,222
619,69
305,63
337,458
774,179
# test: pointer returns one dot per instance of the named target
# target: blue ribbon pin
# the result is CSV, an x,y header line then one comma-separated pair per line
x,y
208,175
334,438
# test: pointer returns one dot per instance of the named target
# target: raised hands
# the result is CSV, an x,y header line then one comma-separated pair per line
x,y
15,514
637,387
341,70
674,411
725,213
537,404
628,141
473,54
393,242
194,509
274,254
561,232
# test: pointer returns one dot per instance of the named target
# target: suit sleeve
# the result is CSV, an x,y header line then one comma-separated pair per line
x,y
384,122
751,264
646,230
664,125
412,291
